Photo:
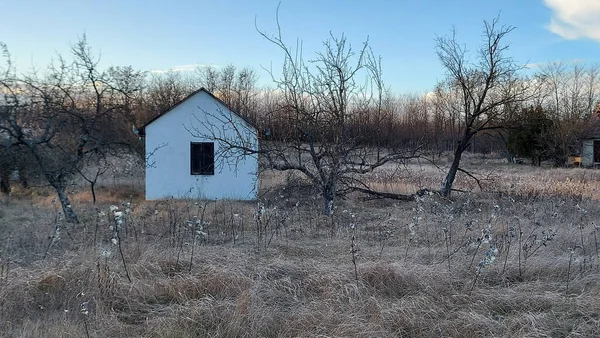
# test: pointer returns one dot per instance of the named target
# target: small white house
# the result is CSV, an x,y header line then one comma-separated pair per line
x,y
187,154
590,153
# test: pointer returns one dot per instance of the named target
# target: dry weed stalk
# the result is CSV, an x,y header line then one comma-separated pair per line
x,y
4,267
84,310
302,286
197,224
119,220
354,251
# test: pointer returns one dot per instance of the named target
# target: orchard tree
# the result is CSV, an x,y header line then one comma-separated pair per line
x,y
14,158
319,98
71,113
486,87
7,156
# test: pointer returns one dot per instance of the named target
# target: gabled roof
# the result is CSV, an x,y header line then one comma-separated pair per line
x,y
142,129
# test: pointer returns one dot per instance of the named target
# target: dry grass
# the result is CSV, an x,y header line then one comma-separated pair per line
x,y
291,274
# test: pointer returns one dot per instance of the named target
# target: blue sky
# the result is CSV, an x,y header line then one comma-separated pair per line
x,y
159,35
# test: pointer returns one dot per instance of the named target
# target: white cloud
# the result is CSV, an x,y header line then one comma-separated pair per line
x,y
534,65
182,68
575,19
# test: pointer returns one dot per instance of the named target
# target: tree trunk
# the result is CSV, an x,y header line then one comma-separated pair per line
x,y
328,197
23,178
449,180
70,214
93,189
5,183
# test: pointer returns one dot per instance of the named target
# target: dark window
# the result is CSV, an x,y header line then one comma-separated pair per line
x,y
596,151
202,158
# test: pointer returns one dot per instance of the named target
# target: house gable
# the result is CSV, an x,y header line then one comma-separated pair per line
x,y
142,130
170,140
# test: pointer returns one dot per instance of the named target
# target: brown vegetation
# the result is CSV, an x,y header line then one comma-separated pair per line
x,y
514,253
282,269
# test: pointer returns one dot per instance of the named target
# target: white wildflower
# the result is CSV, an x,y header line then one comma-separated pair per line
x,y
106,253
411,229
330,207
84,308
489,258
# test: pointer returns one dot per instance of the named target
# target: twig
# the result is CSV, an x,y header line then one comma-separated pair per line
x,y
471,176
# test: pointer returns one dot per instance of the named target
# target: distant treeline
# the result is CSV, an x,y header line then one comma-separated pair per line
x,y
549,126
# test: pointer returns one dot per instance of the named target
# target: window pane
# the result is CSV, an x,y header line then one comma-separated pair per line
x,y
208,158
202,157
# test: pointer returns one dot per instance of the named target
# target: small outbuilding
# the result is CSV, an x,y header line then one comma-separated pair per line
x,y
187,152
590,153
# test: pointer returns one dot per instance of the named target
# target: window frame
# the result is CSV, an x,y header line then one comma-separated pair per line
x,y
205,169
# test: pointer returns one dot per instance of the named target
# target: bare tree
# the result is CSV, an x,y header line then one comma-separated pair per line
x,y
14,159
485,86
6,165
6,152
236,88
96,165
319,98
570,93
163,91
68,115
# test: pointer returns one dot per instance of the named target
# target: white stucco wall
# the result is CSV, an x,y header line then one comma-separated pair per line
x,y
169,176
587,154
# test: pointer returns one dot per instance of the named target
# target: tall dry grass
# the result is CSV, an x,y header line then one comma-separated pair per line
x,y
519,258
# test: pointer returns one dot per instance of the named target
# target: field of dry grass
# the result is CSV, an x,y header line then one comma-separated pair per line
x,y
517,258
